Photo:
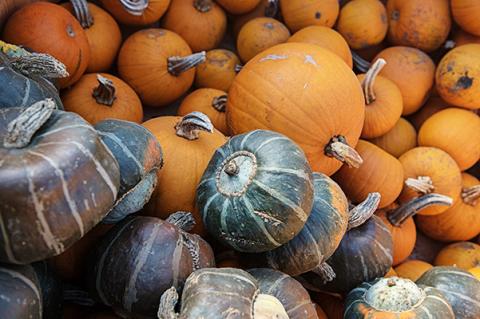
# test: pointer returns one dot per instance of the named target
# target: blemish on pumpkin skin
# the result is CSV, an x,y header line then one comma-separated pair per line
x,y
269,26
464,82
309,59
318,15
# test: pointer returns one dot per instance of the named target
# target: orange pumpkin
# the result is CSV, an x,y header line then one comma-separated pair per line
x,y
266,8
211,102
461,37
412,71
97,97
332,305
391,273
466,13
258,35
188,144
143,16
238,7
320,313
202,23
463,254
306,93
49,28
299,14
426,249
218,70
475,271
167,68
423,24
363,23
326,38
371,52
401,138
433,105
412,269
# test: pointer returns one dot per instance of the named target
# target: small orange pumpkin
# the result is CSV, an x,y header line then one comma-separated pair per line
x,y
433,105
412,269
401,138
239,7
466,13
141,15
461,37
475,271
266,8
463,254
299,14
391,273
218,70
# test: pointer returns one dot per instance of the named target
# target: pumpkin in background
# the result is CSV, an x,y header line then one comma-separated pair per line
x,y
299,14
412,71
326,38
463,255
390,273
465,13
190,140
369,53
259,34
228,259
427,170
423,24
456,74
363,23
396,298
210,102
434,104
218,70
97,97
380,172
461,221
475,271
426,249
7,7
320,313
412,269
136,13
332,305
51,288
401,138
266,8
168,67
461,37
257,191
305,92
239,7
202,23
49,28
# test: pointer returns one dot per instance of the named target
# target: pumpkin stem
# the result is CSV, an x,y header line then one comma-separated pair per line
x,y
21,130
203,5
369,81
238,67
325,271
231,168
135,7
399,215
191,242
470,195
168,301
82,13
272,8
104,93
183,220
421,184
220,103
338,148
361,64
177,65
190,125
363,211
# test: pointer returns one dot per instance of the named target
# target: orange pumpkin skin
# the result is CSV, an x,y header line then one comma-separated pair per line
x,y
475,271
391,273
239,7
433,105
326,38
259,11
456,131
412,71
258,35
363,23
423,24
464,255
218,71
272,92
401,138
202,30
466,13
457,74
332,305
49,28
439,166
412,269
154,11
320,313
299,14
461,37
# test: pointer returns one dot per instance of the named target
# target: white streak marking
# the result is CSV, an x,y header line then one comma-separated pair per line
x,y
124,148
273,57
8,247
298,173
27,93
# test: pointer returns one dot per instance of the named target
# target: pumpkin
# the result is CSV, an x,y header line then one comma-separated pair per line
x,y
299,14
7,7
433,105
122,276
390,273
326,38
51,290
380,172
258,35
49,154
461,37
363,23
137,13
256,192
463,254
239,7
102,31
423,24
274,92
412,269
371,52
455,76
228,259
396,298
218,70
96,97
401,138
461,221
320,313
426,170
465,13
168,68
475,271
412,71
182,141
426,249
211,102
202,23
49,28
266,8
294,298
460,288
332,305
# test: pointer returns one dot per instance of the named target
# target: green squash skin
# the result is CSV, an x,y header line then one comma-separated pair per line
x,y
273,199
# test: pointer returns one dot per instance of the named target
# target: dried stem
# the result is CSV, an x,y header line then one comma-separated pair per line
x,y
40,64
325,271
104,93
231,168
190,125
369,81
135,7
177,65
271,10
203,5
339,149
168,301
82,13
361,64
470,195
219,103
183,220
421,184
363,211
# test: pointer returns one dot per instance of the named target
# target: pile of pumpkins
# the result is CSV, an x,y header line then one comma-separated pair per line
x,y
253,159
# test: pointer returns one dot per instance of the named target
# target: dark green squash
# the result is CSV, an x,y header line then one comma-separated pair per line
x,y
257,191
52,290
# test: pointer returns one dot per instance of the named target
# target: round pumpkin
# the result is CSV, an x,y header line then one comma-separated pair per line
x,y
274,92
464,255
401,138
461,37
154,10
412,269
434,104
320,313
238,7
390,273
332,305
7,7
465,13
426,249
218,70
266,8
299,14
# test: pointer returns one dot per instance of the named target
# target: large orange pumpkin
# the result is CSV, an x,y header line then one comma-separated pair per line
x,y
143,16
218,70
299,14
463,254
401,138
306,93
412,269
239,7
466,13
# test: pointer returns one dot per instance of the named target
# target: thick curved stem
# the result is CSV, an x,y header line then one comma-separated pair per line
x,y
399,215
168,301
421,184
470,195
190,125
369,81
177,65
363,211
271,10
325,271
82,13
183,220
219,103
135,7
203,5
104,93
360,64
339,149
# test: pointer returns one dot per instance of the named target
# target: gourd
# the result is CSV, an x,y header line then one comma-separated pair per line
x,y
332,304
299,14
256,192
7,7
320,313
97,97
51,290
136,13
266,8
168,68
401,138
218,70
238,7
464,13
412,269
464,255
271,93
142,257
50,154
